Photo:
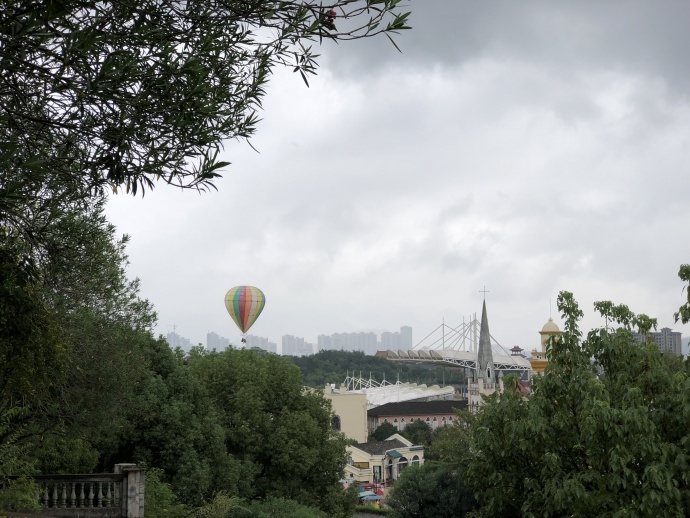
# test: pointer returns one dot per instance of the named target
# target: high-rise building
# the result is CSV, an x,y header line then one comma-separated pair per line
x,y
261,343
325,343
296,346
390,341
174,340
406,337
666,339
217,342
366,342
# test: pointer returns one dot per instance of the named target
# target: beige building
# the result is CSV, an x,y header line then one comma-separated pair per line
x,y
382,461
350,412
539,360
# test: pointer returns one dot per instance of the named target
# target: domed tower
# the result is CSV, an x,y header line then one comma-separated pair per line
x,y
539,360
550,329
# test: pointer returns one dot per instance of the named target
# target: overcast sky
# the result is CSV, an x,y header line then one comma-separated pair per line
x,y
529,147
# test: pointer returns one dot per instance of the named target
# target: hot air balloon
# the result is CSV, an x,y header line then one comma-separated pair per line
x,y
245,304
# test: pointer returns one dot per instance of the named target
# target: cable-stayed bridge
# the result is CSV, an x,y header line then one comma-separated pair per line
x,y
458,347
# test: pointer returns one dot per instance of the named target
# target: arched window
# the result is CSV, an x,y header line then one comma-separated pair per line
x,y
395,423
402,464
427,420
451,419
443,421
335,422
415,460
385,420
402,424
435,423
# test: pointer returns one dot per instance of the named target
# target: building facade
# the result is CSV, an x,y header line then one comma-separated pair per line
x,y
349,412
539,359
295,346
666,339
434,413
382,461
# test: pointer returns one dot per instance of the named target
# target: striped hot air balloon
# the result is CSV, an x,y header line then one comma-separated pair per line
x,y
245,304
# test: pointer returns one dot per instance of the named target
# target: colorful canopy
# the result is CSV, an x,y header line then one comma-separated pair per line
x,y
244,303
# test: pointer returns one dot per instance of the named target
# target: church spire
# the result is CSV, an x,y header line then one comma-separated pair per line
x,y
485,359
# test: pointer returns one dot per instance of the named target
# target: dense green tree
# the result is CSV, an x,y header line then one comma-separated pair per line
x,y
333,366
418,432
276,508
70,331
101,96
432,490
383,432
111,94
451,443
279,429
604,433
173,424
161,501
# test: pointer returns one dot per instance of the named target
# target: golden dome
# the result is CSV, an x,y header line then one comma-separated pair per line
x,y
550,327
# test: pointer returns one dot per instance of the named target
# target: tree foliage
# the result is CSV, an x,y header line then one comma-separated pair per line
x,y
275,508
432,490
605,431
333,367
122,94
383,432
114,96
418,432
282,432
683,313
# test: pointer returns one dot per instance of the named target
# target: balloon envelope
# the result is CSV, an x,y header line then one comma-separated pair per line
x,y
245,304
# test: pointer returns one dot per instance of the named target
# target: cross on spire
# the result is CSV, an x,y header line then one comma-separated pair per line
x,y
484,291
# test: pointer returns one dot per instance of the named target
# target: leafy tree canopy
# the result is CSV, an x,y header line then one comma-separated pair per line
x,y
683,313
122,94
383,432
278,429
604,432
418,432
432,490
333,366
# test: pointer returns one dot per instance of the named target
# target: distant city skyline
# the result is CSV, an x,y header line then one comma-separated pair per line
x,y
668,339
366,341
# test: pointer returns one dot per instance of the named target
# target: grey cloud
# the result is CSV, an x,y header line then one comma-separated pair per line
x,y
566,37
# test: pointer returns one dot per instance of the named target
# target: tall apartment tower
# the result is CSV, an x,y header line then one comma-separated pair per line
x,y
295,346
215,341
666,339
406,337
261,343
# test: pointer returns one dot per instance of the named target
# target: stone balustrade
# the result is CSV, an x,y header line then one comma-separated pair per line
x,y
102,495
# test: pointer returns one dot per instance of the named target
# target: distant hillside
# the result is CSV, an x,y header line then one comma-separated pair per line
x,y
333,366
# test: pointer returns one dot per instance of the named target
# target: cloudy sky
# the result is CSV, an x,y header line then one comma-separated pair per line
x,y
529,147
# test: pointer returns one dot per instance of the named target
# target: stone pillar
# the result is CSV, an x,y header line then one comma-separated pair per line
x,y
132,498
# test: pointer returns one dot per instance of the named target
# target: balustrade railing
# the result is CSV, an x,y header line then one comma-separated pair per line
x,y
101,495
